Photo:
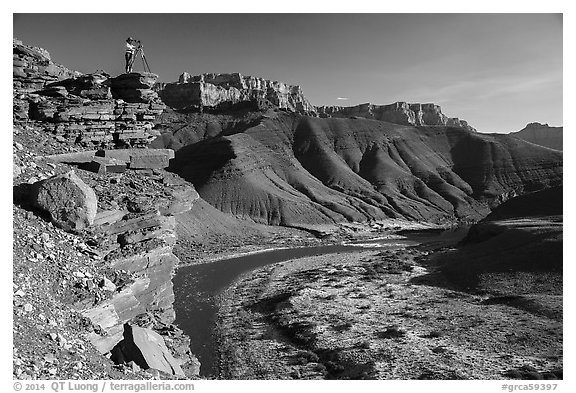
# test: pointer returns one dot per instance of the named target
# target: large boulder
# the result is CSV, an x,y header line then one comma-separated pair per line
x,y
147,349
71,203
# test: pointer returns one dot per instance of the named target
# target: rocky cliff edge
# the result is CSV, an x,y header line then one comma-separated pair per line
x,y
93,229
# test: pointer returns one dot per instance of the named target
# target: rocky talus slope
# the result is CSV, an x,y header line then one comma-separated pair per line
x,y
94,230
541,134
109,275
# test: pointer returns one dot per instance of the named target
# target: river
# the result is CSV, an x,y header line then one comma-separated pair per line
x,y
196,287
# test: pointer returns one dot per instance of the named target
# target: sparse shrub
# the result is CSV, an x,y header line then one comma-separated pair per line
x,y
558,372
391,332
244,319
532,375
363,345
305,357
334,367
549,376
300,332
529,372
434,334
320,368
439,349
342,326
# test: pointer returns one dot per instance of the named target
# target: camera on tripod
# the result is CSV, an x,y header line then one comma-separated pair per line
x,y
140,51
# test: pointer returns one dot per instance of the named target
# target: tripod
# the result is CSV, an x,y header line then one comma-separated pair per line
x,y
140,50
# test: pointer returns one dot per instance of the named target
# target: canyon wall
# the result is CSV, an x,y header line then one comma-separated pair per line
x,y
222,91
398,112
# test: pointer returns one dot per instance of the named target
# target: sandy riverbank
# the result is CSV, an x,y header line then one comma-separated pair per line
x,y
364,315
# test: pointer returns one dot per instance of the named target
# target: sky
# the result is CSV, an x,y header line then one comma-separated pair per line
x,y
497,71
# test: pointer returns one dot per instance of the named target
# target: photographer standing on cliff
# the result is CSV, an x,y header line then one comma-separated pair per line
x,y
130,52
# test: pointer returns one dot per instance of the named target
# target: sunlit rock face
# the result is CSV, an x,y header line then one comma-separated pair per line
x,y
225,90
398,112
541,134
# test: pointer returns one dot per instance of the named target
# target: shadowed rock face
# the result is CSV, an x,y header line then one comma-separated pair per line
x,y
291,170
147,349
548,202
541,134
517,249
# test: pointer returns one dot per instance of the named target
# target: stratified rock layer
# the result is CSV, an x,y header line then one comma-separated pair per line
x,y
33,69
93,118
398,112
138,244
90,110
222,91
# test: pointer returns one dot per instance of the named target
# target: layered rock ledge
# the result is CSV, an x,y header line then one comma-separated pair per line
x,y
138,241
92,110
33,69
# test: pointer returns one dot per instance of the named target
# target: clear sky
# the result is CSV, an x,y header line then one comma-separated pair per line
x,y
497,71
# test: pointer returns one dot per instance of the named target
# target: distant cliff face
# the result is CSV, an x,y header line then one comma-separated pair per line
x,y
541,134
226,90
398,113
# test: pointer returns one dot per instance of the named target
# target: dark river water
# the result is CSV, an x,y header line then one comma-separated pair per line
x,y
196,287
